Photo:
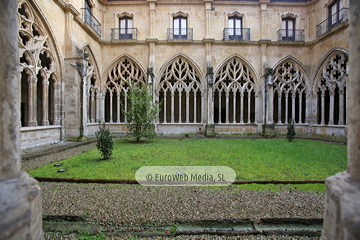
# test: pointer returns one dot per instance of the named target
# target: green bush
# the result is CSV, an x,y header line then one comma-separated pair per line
x,y
104,141
290,135
142,113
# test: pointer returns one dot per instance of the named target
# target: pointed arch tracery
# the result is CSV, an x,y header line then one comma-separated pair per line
x,y
92,88
180,91
330,87
124,73
289,92
234,93
38,71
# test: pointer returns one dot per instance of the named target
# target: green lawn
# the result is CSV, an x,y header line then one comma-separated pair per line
x,y
251,159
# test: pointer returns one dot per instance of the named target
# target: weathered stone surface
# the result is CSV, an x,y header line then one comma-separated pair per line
x,y
20,209
342,208
9,101
20,195
354,91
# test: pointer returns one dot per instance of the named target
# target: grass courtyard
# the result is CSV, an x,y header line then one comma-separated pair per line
x,y
251,159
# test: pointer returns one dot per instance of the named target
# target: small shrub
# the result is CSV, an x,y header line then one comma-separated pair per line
x,y
290,135
142,113
172,230
104,141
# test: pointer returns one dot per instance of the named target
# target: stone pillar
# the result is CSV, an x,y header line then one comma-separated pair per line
x,y
75,100
20,195
342,206
152,17
45,102
93,106
263,16
32,102
56,113
354,93
207,17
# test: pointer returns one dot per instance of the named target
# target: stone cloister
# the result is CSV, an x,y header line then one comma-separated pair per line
x,y
218,86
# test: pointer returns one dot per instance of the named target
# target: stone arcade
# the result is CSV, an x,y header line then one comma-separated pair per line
x,y
217,66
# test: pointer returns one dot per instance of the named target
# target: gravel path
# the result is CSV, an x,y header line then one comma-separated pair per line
x,y
135,204
59,236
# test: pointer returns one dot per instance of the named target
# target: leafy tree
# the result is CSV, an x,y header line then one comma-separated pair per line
x,y
104,141
290,135
141,113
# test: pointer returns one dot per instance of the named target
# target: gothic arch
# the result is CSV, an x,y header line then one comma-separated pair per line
x,y
245,61
124,72
92,87
290,91
180,90
113,64
40,67
235,90
329,87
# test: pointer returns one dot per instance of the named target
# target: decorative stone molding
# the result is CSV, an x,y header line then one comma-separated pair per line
x,y
180,14
235,13
290,15
125,14
329,3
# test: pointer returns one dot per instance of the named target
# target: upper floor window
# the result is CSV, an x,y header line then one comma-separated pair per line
x,y
334,10
288,29
88,8
126,28
180,27
235,27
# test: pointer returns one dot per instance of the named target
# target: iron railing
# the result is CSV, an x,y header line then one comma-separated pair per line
x,y
236,34
180,33
339,17
91,20
124,33
296,35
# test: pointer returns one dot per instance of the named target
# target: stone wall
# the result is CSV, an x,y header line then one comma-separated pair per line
x,y
33,136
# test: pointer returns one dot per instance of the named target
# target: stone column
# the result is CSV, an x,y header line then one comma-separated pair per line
x,y
45,102
152,17
56,106
20,196
207,18
263,13
342,206
102,106
93,106
354,93
32,102
75,98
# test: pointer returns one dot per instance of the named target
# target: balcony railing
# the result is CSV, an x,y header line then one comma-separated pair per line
x,y
91,20
325,26
124,33
296,35
180,33
236,34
